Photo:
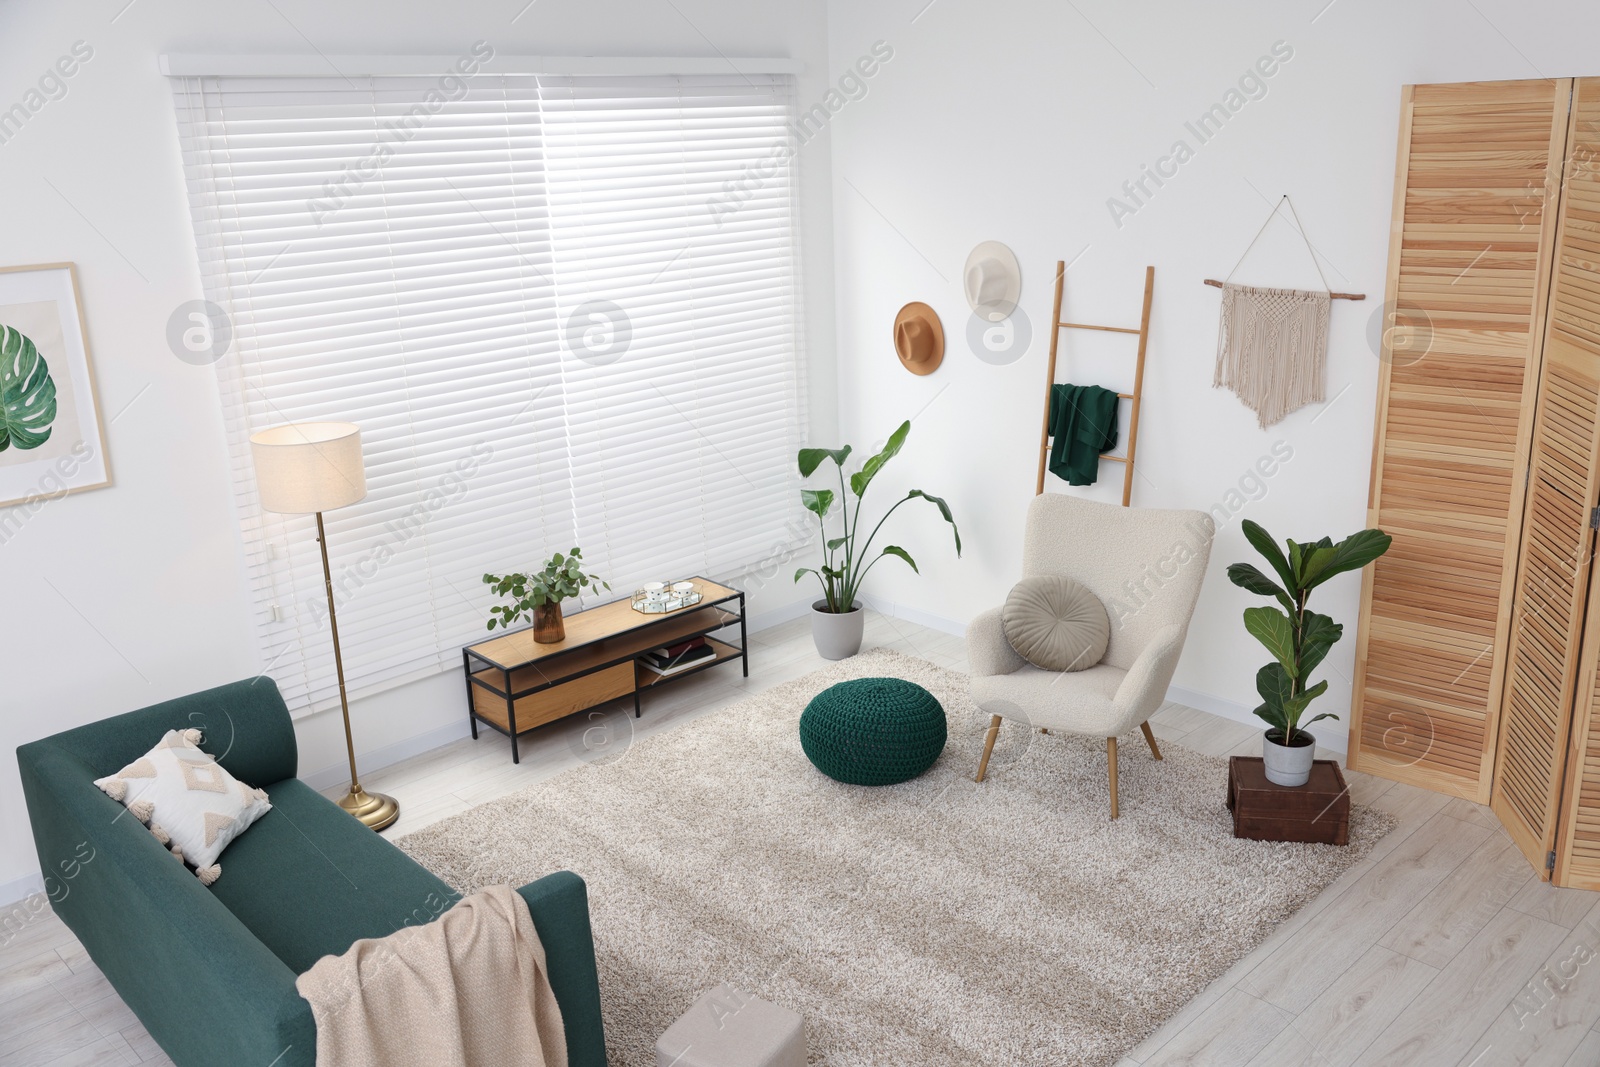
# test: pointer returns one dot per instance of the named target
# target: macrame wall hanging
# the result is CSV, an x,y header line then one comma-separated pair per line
x,y
1272,344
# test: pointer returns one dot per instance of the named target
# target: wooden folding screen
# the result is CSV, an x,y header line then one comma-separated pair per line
x,y
1479,164
1547,644
1573,345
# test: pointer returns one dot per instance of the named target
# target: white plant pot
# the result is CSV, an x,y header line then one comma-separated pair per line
x,y
1288,765
837,634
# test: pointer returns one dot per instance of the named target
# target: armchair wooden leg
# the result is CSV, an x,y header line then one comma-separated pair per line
x,y
988,745
1111,763
1150,739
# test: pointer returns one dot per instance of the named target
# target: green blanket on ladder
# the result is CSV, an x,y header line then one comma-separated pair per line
x,y
1083,424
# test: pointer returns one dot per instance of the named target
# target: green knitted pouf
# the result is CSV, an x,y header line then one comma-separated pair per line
x,y
873,731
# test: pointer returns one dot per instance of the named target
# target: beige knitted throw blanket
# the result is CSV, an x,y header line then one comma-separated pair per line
x,y
468,990
1272,348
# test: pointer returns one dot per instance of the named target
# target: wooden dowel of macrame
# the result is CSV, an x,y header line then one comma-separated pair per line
x,y
1050,376
1138,385
1336,296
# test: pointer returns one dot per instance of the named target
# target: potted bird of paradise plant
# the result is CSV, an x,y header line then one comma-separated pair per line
x,y
837,619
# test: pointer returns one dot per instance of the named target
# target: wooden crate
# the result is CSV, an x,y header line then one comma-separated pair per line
x,y
1317,812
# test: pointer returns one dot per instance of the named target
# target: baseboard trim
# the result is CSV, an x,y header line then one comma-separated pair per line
x,y
766,620
387,756
916,615
1228,709
20,889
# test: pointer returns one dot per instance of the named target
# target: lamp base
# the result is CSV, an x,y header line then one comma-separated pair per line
x,y
375,810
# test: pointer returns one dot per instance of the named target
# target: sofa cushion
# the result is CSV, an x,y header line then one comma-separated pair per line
x,y
1055,623
309,880
1083,702
188,800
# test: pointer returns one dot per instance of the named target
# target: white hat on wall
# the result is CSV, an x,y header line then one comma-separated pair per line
x,y
992,281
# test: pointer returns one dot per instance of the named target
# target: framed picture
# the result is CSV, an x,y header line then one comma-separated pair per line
x,y
51,439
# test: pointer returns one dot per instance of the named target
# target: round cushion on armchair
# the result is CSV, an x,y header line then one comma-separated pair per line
x,y
1056,624
873,731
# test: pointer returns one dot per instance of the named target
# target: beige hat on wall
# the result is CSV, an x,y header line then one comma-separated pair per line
x,y
919,338
992,281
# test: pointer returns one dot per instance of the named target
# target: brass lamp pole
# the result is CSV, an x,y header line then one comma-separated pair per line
x,y
312,467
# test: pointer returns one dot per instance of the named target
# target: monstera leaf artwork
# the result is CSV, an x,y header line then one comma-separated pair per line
x,y
27,392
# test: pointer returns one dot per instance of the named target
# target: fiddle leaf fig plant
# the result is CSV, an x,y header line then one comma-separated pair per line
x,y
846,559
1297,637
562,577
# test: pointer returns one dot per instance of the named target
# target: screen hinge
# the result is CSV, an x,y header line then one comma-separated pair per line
x,y
1594,519
1550,860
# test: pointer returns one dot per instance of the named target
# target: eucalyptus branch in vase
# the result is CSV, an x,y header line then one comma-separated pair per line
x,y
538,595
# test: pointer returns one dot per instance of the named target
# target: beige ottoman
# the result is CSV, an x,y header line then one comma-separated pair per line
x,y
727,1028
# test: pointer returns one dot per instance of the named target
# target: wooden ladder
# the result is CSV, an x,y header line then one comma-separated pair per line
x,y
1143,333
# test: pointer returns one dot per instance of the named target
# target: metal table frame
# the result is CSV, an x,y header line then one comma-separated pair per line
x,y
725,619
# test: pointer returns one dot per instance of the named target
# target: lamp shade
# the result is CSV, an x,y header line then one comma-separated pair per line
x,y
309,466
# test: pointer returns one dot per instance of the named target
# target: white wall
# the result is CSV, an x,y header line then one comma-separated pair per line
x,y
121,597
1016,122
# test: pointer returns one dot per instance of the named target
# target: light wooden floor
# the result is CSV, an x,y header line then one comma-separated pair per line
x,y
1442,947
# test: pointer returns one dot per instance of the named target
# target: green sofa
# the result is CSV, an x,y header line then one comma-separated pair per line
x,y
210,972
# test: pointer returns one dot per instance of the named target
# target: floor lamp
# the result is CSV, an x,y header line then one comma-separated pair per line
x,y
311,467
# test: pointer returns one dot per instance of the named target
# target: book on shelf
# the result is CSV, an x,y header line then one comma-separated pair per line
x,y
680,657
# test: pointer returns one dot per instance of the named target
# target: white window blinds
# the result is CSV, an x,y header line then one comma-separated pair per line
x,y
562,311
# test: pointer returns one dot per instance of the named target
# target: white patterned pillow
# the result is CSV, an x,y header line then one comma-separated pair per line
x,y
188,800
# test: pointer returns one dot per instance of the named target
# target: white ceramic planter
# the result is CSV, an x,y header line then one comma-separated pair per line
x,y
837,635
1287,764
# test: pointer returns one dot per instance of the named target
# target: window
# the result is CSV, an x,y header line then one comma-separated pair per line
x,y
563,310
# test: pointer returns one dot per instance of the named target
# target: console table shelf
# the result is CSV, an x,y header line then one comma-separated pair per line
x,y
649,679
515,684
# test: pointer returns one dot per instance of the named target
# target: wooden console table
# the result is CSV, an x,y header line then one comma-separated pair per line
x,y
515,684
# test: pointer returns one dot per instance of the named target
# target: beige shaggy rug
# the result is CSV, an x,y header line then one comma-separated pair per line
x,y
936,922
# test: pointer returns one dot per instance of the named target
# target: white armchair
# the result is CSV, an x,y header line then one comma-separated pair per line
x,y
1146,566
